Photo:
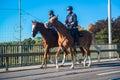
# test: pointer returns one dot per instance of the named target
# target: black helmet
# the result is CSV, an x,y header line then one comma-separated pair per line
x,y
69,8
51,12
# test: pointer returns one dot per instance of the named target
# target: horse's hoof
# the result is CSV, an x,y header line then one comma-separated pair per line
x,y
72,67
77,62
62,65
84,65
89,65
41,67
52,62
57,67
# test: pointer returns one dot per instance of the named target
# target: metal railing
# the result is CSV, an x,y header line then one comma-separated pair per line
x,y
33,54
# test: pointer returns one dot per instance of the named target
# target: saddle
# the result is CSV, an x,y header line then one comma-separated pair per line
x,y
76,34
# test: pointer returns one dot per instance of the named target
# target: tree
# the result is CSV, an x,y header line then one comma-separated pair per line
x,y
116,30
102,36
38,40
101,30
28,41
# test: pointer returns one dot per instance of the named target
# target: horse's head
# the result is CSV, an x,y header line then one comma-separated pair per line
x,y
37,27
34,28
52,21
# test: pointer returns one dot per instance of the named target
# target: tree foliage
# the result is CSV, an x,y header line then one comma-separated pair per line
x,y
28,41
116,30
100,28
38,40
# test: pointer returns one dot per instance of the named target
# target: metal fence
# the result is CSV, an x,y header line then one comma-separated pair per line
x,y
12,56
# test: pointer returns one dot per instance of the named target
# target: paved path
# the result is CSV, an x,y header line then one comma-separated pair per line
x,y
98,71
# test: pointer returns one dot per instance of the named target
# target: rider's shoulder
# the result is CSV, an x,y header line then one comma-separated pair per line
x,y
73,14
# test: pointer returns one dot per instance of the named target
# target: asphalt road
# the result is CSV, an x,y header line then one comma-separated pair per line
x,y
98,71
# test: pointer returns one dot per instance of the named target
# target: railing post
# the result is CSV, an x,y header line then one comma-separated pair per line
x,y
110,53
46,63
7,63
118,51
20,58
98,56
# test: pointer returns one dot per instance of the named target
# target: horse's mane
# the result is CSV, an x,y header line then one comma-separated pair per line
x,y
63,26
41,23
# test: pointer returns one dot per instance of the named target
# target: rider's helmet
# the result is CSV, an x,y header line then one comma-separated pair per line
x,y
51,12
69,8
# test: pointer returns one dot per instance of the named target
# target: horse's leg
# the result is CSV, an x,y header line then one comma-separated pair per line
x,y
70,50
83,52
59,49
89,58
45,57
64,57
76,57
48,55
85,57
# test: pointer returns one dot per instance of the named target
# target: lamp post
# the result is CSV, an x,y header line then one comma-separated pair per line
x,y
109,23
19,22
109,28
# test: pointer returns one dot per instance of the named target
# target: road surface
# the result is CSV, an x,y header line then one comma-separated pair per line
x,y
98,71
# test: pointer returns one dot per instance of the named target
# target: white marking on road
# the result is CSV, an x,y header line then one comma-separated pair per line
x,y
108,73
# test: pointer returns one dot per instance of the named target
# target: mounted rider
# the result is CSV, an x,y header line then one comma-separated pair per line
x,y
72,23
51,14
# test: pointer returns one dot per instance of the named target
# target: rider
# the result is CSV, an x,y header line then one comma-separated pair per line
x,y
72,23
51,14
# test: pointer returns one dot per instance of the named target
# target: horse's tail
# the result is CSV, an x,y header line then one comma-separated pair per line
x,y
94,43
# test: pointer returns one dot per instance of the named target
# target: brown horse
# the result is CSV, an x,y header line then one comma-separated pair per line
x,y
66,41
49,39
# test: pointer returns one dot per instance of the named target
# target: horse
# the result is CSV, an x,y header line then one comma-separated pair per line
x,y
66,41
49,39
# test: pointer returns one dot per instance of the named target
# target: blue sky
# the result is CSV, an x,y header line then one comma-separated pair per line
x,y
88,11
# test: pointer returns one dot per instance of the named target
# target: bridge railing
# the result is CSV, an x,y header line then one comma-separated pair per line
x,y
33,54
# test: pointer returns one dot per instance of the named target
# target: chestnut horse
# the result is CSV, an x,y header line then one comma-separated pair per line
x,y
49,39
66,41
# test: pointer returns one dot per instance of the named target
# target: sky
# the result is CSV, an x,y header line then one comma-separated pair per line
x,y
87,11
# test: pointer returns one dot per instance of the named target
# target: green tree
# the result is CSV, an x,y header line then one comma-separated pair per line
x,y
116,30
101,30
38,40
28,41
102,36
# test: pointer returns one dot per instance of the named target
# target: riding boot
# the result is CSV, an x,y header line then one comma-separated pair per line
x,y
76,41
76,37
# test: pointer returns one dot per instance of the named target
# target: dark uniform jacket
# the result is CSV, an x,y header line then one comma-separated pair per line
x,y
71,18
